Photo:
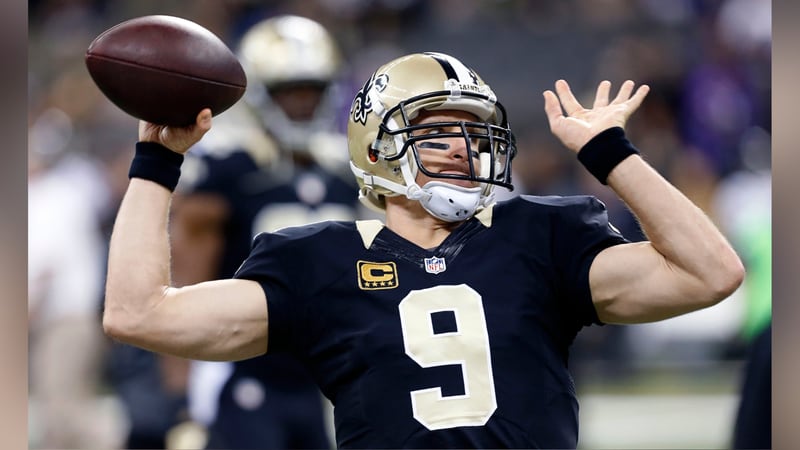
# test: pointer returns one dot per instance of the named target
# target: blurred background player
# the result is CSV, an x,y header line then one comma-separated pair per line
x,y
276,159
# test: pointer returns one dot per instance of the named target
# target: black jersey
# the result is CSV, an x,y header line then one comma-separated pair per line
x,y
461,346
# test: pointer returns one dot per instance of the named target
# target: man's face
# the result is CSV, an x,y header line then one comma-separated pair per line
x,y
446,155
299,101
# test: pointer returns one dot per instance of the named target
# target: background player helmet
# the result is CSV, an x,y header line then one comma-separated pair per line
x,y
289,52
383,154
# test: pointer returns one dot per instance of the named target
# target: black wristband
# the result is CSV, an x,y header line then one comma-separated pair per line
x,y
603,152
156,163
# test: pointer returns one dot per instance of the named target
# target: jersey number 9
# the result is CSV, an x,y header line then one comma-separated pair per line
x,y
467,346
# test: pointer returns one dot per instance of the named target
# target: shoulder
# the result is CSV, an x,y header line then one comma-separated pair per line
x,y
549,217
551,205
302,249
559,201
311,235
318,230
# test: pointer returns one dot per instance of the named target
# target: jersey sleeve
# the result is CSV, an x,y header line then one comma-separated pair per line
x,y
274,264
581,232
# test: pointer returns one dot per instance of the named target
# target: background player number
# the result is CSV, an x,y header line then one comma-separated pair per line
x,y
468,347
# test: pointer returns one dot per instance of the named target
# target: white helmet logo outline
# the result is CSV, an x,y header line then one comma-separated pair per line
x,y
362,103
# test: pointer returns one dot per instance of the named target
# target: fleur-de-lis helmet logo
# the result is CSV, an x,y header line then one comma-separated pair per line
x,y
362,103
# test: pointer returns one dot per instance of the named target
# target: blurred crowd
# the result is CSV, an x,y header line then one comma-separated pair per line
x,y
705,125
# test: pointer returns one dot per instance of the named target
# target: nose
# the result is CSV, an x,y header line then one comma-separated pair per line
x,y
460,147
457,148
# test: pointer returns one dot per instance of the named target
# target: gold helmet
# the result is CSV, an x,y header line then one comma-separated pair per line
x,y
383,153
286,52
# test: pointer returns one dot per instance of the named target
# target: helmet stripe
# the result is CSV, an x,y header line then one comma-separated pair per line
x,y
449,71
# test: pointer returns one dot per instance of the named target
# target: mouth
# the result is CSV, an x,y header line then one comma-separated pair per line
x,y
447,170
457,182
454,172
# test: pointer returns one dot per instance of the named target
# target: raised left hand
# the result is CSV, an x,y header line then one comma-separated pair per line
x,y
579,125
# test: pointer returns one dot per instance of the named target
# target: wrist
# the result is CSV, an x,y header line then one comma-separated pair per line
x,y
156,163
605,151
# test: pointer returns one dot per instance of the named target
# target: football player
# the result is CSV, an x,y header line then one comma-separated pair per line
x,y
262,168
448,324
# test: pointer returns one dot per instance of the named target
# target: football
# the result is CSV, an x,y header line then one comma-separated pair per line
x,y
165,69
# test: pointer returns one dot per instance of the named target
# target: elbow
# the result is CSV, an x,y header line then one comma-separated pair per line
x,y
122,324
110,325
137,322
727,279
117,325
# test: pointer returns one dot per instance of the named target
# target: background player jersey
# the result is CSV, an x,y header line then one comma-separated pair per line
x,y
267,198
461,346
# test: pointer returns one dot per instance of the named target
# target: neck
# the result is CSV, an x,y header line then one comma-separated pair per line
x,y
409,220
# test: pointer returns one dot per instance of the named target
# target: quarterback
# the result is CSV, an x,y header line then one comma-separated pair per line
x,y
446,325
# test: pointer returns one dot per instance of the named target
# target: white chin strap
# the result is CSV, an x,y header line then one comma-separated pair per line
x,y
449,202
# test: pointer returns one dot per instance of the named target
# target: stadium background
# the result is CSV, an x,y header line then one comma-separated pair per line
x,y
705,125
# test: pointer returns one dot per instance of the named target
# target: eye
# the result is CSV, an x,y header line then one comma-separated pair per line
x,y
433,131
501,149
428,131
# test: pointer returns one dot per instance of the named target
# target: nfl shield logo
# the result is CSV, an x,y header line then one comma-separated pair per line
x,y
435,265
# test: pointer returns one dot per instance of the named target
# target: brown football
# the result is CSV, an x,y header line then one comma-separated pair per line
x,y
165,69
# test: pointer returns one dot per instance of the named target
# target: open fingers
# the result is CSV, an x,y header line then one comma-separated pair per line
x,y
624,92
552,107
601,97
637,98
568,101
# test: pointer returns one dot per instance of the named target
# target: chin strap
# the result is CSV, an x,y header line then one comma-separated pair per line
x,y
449,202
